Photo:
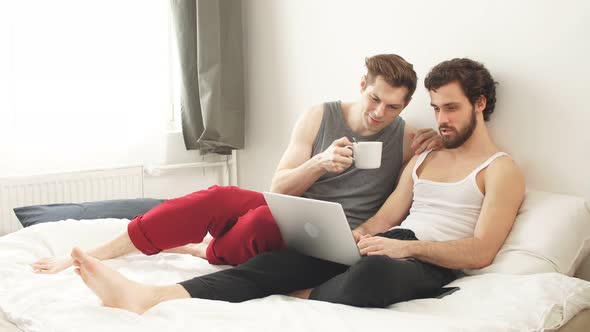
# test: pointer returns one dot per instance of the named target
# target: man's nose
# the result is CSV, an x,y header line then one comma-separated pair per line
x,y
442,118
380,110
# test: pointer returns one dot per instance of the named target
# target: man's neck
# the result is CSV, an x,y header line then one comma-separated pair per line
x,y
352,112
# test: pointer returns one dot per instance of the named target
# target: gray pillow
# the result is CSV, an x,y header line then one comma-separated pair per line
x,y
118,208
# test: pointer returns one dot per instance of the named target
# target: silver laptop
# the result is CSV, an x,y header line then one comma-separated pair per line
x,y
314,228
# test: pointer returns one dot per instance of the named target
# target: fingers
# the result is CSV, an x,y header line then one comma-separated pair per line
x,y
426,139
342,142
421,136
342,161
344,151
371,248
368,244
434,143
422,131
337,158
357,236
338,163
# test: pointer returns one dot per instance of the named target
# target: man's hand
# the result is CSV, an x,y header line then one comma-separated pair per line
x,y
358,235
425,139
337,158
377,245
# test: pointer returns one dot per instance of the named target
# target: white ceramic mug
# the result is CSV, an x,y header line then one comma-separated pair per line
x,y
367,155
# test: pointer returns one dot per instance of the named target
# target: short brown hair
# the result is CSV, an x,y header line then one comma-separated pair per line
x,y
396,71
475,81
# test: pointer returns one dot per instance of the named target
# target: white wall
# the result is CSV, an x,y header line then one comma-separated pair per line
x,y
303,52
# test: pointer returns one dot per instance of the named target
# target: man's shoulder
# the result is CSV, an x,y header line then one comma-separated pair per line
x,y
315,113
504,170
308,124
503,164
312,115
316,109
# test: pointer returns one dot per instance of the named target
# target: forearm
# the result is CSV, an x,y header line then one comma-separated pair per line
x,y
374,225
458,254
297,180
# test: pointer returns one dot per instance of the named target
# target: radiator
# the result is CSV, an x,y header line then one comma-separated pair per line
x,y
72,187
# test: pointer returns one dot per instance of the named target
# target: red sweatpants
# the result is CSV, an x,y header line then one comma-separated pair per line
x,y
239,221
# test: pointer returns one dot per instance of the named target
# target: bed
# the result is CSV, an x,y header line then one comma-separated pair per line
x,y
538,296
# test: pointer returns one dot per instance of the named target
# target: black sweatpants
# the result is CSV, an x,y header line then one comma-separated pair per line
x,y
374,281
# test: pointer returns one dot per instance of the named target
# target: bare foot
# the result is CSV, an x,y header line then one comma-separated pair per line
x,y
200,250
51,265
302,294
195,249
116,291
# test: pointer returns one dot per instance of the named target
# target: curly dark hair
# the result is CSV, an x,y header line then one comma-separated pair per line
x,y
472,76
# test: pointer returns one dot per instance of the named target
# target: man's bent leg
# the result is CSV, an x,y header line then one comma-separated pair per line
x,y
379,281
278,272
254,233
187,219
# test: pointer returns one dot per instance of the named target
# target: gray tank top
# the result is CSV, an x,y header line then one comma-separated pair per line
x,y
360,191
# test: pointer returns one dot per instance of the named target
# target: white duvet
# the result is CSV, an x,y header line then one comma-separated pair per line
x,y
62,302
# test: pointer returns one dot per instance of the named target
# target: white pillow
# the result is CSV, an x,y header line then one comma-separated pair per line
x,y
551,234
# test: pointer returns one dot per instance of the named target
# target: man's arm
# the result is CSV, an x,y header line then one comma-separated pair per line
x,y
397,205
395,208
504,192
298,170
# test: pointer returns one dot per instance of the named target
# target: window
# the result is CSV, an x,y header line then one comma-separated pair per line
x,y
86,77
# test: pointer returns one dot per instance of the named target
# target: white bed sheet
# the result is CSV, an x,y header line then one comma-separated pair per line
x,y
61,302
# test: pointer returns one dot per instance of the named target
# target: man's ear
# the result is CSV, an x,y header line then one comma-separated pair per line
x,y
481,104
363,83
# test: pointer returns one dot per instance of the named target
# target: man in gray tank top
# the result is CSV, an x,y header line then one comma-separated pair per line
x,y
317,164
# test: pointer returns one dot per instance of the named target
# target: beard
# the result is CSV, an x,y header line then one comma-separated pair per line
x,y
462,136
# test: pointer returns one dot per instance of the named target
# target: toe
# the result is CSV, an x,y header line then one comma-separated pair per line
x,y
77,254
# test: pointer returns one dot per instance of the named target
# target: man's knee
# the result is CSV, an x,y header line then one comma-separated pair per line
x,y
262,220
273,258
234,197
260,226
370,270
220,190
373,282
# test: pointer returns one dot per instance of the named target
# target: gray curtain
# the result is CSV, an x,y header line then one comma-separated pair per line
x,y
209,34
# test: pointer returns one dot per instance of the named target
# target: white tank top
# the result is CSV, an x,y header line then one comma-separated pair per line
x,y
444,211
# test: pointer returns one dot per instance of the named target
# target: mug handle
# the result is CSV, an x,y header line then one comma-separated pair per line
x,y
351,148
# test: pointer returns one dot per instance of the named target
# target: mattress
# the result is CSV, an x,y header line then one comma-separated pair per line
x,y
61,302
